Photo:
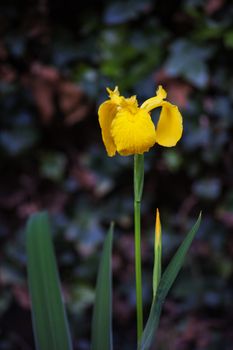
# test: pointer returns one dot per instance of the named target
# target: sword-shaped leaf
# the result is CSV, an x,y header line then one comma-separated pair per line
x,y
49,318
165,284
102,314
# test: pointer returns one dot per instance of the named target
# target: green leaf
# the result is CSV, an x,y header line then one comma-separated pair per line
x,y
49,318
165,284
102,314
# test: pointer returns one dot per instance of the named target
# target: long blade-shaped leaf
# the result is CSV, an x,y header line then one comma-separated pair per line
x,y
102,315
165,284
49,318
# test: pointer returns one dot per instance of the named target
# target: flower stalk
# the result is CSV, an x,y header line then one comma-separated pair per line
x,y
138,188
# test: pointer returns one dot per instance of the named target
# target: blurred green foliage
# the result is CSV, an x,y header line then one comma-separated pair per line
x,y
56,59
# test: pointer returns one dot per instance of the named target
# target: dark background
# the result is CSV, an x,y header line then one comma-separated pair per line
x,y
56,58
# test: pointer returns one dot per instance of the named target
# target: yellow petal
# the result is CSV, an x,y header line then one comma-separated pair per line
x,y
107,112
114,95
113,92
133,133
156,101
169,128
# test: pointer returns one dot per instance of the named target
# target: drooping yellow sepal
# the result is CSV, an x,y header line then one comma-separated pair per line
x,y
133,133
169,127
107,112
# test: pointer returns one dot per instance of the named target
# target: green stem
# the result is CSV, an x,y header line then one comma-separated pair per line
x,y
138,187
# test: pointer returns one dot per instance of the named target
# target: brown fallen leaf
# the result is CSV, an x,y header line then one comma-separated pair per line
x,y
53,94
212,6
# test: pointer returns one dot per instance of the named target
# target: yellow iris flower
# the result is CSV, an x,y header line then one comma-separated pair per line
x,y
128,129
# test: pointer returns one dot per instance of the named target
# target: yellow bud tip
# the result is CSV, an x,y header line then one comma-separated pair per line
x,y
157,227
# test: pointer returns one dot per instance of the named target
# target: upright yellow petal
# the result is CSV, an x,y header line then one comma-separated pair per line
x,y
133,133
156,101
169,128
114,95
107,112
